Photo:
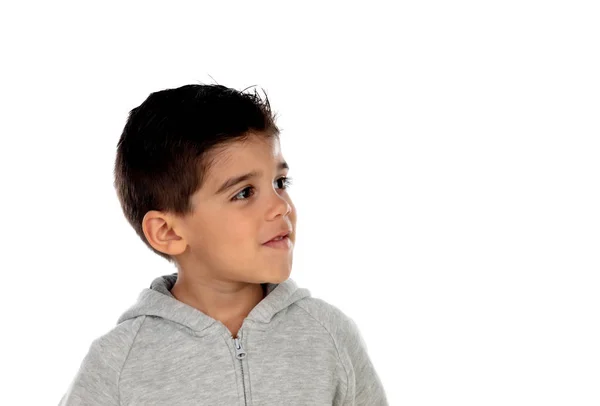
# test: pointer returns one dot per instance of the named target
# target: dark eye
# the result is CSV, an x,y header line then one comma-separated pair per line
x,y
287,181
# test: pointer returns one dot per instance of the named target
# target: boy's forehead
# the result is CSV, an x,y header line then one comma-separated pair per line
x,y
252,151
242,157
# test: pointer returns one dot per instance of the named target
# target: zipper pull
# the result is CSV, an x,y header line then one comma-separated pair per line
x,y
239,350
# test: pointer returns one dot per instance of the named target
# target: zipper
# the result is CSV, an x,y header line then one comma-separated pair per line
x,y
240,354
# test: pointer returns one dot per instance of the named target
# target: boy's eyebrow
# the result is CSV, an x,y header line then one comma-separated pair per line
x,y
237,179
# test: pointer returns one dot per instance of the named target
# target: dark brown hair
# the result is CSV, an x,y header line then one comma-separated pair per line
x,y
164,152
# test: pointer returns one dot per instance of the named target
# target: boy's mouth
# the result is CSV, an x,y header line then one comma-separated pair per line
x,y
279,236
279,242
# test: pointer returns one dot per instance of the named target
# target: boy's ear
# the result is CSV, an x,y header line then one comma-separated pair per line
x,y
162,232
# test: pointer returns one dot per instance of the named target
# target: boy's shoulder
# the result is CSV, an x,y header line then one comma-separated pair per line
x,y
320,308
100,369
114,344
330,316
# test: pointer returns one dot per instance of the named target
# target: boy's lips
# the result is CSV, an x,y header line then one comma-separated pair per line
x,y
283,233
284,243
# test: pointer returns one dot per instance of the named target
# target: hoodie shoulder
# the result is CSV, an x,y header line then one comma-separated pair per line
x,y
97,379
340,326
330,316
363,385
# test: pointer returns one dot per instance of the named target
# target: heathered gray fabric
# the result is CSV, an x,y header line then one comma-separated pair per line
x,y
300,350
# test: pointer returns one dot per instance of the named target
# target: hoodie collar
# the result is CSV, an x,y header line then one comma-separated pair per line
x,y
158,301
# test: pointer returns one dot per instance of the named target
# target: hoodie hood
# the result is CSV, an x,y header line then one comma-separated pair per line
x,y
158,301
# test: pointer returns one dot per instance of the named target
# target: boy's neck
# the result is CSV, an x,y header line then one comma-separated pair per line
x,y
228,302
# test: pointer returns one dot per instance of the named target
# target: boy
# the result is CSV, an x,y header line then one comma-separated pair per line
x,y
202,180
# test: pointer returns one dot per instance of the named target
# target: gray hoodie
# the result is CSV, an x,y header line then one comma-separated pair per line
x,y
292,349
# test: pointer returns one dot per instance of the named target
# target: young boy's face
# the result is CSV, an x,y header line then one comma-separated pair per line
x,y
226,232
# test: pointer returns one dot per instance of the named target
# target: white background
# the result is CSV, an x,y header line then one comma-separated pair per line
x,y
445,158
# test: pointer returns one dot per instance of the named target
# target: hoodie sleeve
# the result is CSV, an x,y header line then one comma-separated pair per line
x,y
96,382
364,386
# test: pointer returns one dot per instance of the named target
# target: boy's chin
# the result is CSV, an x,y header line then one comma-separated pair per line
x,y
278,277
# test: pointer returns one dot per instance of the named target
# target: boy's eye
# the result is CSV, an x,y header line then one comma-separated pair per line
x,y
287,181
